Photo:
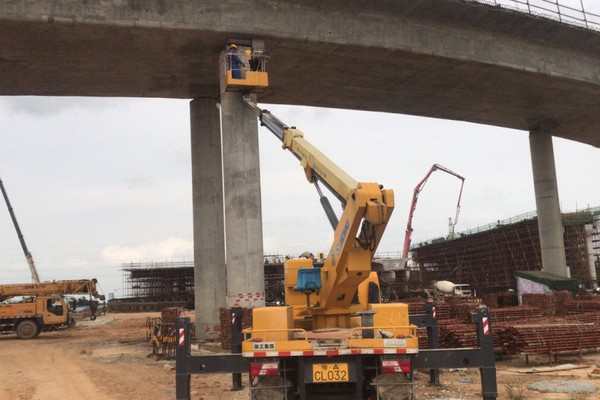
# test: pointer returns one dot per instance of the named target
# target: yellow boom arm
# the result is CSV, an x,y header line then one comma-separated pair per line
x,y
81,286
367,209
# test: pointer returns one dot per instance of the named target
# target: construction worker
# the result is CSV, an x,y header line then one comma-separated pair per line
x,y
235,64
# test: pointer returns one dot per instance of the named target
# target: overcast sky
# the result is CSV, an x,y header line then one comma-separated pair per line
x,y
100,182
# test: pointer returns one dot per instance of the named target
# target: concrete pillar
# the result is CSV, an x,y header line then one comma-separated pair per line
x,y
589,246
243,215
548,206
209,229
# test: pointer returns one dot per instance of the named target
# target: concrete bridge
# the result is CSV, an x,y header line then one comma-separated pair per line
x,y
448,59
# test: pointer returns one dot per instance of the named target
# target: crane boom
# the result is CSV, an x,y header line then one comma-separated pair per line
x,y
367,208
34,274
79,286
317,166
413,206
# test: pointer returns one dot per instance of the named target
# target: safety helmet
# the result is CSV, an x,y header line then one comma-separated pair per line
x,y
233,46
248,52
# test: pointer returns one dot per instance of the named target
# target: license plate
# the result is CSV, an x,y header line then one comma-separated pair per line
x,y
337,372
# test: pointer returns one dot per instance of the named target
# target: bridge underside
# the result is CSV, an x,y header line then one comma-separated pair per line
x,y
450,60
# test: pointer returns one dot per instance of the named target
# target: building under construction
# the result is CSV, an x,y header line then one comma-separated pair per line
x,y
154,286
486,258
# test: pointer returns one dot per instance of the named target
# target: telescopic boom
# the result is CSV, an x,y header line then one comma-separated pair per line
x,y
34,275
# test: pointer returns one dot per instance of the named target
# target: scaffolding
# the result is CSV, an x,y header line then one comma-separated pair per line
x,y
487,259
154,286
484,258
596,242
159,281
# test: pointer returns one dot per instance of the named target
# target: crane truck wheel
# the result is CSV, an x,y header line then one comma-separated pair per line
x,y
27,329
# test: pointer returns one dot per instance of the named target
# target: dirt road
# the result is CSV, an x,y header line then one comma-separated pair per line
x,y
107,359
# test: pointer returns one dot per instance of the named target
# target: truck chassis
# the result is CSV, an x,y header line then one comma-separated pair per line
x,y
362,366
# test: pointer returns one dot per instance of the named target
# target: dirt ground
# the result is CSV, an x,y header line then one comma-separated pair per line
x,y
109,359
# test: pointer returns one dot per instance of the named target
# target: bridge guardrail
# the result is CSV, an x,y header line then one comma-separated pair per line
x,y
564,13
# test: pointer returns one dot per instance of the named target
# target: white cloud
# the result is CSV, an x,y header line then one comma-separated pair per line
x,y
168,249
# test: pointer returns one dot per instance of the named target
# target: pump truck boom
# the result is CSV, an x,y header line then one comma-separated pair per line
x,y
413,206
322,340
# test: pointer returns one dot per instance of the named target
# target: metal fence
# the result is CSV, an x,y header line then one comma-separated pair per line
x,y
573,13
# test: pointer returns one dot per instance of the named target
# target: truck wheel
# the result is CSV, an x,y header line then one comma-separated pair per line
x,y
27,329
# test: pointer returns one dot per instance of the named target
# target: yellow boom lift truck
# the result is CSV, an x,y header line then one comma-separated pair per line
x,y
328,340
323,342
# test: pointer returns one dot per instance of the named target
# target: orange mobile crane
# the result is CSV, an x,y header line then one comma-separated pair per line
x,y
43,305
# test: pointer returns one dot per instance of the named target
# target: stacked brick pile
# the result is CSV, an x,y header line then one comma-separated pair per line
x,y
416,308
545,302
442,309
422,336
170,314
458,336
490,300
225,317
500,300
562,298
508,299
463,311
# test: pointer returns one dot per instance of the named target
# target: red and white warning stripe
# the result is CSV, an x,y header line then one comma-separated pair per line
x,y
328,353
486,327
244,299
181,337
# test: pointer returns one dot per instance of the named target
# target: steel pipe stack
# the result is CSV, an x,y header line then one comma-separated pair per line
x,y
548,338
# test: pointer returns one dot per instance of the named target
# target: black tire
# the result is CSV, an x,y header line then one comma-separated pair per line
x,y
27,329
92,317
